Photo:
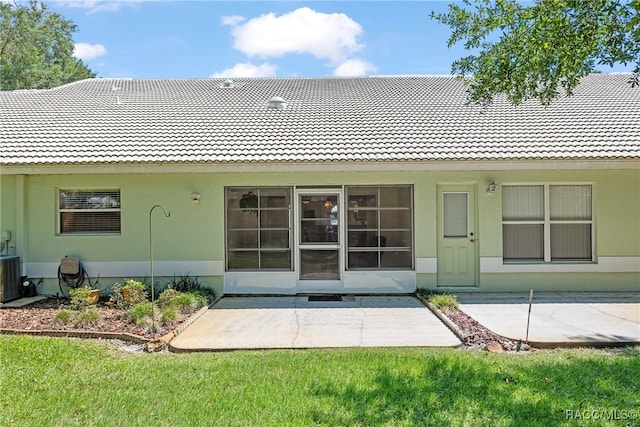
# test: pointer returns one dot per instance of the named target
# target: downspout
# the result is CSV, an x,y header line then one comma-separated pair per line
x,y
21,223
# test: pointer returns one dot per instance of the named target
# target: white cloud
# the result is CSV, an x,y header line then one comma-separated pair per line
x,y
354,67
86,51
232,20
326,36
246,69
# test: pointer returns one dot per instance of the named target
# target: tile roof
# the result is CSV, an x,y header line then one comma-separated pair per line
x,y
397,118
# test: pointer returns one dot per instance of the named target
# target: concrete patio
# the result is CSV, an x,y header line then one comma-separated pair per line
x,y
295,322
559,318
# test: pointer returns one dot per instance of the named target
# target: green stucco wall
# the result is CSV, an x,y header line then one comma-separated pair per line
x,y
195,232
8,200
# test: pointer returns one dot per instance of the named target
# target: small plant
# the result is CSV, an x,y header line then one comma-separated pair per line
x,y
139,314
188,283
80,298
63,317
188,300
169,316
444,301
185,283
87,317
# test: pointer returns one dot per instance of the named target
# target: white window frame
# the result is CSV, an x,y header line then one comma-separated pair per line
x,y
61,210
547,222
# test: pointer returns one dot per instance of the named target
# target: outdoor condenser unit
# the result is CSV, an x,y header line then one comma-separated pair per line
x,y
10,286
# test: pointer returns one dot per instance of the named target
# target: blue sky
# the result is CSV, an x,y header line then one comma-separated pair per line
x,y
196,39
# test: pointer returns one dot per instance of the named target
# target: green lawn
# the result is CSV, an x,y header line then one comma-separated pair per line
x,y
66,382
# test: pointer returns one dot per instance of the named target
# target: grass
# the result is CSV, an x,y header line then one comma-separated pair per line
x,y
443,300
87,317
52,382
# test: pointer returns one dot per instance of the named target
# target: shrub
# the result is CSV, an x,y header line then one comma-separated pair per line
x,y
63,317
134,292
80,298
116,300
188,300
191,284
169,315
87,317
167,297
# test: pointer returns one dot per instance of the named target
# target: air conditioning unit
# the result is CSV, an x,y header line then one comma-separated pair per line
x,y
10,286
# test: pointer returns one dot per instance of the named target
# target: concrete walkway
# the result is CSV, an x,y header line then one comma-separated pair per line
x,y
559,318
295,322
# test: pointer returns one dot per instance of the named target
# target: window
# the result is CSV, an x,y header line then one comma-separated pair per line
x,y
380,227
456,213
547,223
258,226
89,211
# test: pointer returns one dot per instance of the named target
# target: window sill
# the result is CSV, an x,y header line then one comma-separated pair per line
x,y
89,234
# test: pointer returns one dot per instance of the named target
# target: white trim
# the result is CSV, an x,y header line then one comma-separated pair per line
x,y
285,282
380,281
427,265
629,264
252,282
131,269
335,166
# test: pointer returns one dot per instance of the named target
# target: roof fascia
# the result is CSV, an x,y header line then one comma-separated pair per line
x,y
257,167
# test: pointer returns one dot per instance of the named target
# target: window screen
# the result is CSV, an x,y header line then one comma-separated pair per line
x,y
380,227
258,227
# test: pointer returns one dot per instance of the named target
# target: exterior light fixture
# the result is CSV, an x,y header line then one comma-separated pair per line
x,y
491,189
195,196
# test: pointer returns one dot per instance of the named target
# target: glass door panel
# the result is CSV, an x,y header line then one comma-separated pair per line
x,y
319,222
319,265
319,241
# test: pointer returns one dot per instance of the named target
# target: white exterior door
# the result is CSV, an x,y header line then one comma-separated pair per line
x,y
457,242
319,237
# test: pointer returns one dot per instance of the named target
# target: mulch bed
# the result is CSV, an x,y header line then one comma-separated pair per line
x,y
40,316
